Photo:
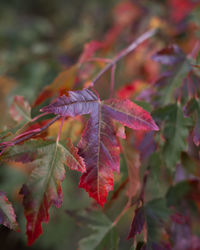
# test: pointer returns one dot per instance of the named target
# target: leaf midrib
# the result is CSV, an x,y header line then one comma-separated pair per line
x,y
46,184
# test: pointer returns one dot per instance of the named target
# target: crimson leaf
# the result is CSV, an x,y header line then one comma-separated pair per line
x,y
99,145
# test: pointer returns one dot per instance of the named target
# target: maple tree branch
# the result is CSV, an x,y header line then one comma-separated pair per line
x,y
148,34
128,205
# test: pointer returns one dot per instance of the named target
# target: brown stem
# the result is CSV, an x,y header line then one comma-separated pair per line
x,y
125,52
137,202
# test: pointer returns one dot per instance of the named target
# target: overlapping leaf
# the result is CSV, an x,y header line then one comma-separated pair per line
x,y
7,214
43,187
99,146
172,79
176,131
102,228
154,214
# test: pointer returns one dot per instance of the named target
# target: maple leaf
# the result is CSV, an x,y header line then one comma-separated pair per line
x,y
176,130
43,187
99,145
7,214
100,149
102,228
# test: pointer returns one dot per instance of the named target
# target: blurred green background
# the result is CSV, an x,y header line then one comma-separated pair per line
x,y
39,38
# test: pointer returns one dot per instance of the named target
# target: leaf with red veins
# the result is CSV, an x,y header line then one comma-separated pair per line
x,y
7,214
99,145
129,114
77,103
43,187
100,149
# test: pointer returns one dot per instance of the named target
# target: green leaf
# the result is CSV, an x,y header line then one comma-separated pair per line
x,y
43,187
171,83
176,193
103,234
175,132
157,213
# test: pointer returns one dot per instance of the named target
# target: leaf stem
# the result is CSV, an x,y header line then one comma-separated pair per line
x,y
138,200
125,52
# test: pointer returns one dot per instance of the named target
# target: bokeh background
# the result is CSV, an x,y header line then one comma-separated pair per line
x,y
39,39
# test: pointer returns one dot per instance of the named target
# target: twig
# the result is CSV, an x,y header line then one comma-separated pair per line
x,y
125,52
137,202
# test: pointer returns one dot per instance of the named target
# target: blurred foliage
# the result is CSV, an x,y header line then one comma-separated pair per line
x,y
39,39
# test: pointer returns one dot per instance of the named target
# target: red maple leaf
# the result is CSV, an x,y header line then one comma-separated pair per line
x,y
99,145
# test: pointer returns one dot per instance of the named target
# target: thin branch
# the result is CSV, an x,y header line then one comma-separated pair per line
x,y
125,52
